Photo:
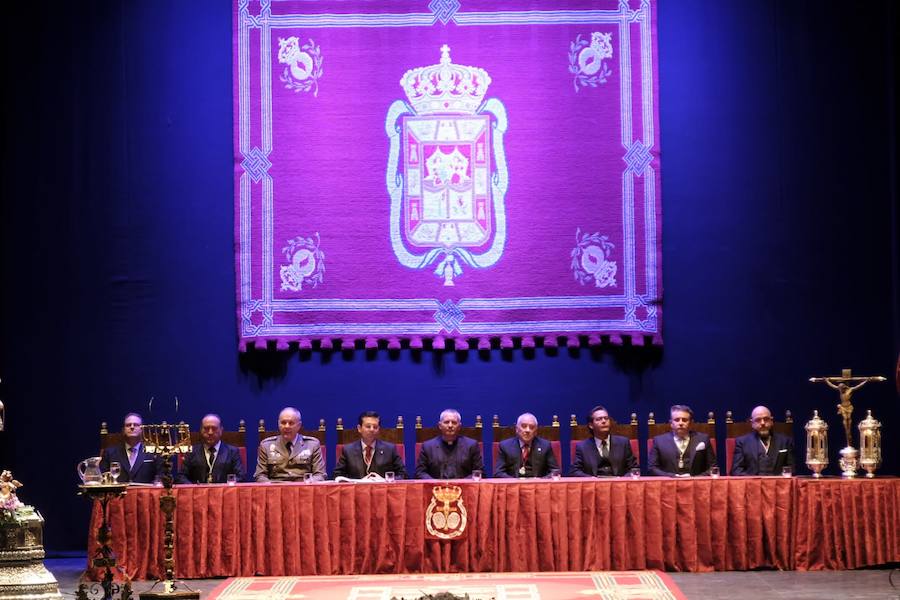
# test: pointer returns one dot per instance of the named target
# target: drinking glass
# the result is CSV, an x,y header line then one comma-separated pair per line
x,y
787,472
231,479
307,478
476,475
389,476
555,474
635,473
714,472
115,469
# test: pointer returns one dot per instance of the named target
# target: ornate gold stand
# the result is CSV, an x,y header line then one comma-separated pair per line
x,y
167,440
846,384
104,558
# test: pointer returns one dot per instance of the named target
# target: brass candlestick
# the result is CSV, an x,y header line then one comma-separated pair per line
x,y
845,386
167,440
870,444
816,444
104,557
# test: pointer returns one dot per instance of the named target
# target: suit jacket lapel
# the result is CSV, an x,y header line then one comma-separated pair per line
x,y
614,451
692,449
672,449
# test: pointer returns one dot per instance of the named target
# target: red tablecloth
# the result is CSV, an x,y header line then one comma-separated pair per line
x,y
847,524
696,524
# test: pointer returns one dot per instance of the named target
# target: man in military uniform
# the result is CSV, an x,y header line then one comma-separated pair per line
x,y
289,456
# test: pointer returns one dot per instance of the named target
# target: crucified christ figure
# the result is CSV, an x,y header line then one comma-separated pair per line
x,y
842,385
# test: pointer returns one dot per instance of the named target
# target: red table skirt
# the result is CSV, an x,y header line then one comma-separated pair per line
x,y
696,524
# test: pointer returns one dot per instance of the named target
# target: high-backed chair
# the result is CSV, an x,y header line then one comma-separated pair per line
x,y
393,435
237,439
319,433
709,428
548,432
424,434
582,432
108,438
734,430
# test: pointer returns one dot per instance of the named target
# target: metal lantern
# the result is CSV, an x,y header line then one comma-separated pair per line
x,y
870,444
816,444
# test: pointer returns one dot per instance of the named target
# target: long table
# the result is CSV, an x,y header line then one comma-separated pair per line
x,y
699,524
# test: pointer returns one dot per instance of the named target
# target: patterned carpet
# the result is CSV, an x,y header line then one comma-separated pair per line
x,y
631,585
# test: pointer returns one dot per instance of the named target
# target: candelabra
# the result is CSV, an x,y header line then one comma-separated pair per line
x,y
166,441
870,444
816,444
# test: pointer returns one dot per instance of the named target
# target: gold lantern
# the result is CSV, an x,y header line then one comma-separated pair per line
x,y
870,444
816,444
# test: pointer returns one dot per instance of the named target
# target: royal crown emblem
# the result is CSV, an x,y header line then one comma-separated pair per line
x,y
447,175
446,515
445,87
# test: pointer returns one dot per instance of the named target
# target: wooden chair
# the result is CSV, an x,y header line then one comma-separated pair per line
x,y
735,430
319,433
548,432
237,439
393,435
424,434
582,432
709,428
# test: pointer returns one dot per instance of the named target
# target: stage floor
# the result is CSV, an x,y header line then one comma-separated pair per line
x,y
870,584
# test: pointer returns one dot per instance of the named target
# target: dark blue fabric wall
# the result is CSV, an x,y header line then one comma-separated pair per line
x,y
780,239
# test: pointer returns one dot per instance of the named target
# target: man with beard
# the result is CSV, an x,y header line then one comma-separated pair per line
x,y
762,451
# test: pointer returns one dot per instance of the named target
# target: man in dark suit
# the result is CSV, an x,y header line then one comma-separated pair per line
x,y
525,455
449,455
136,466
212,460
762,451
371,458
603,454
683,452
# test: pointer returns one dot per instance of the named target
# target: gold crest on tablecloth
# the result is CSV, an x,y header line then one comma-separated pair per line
x,y
446,516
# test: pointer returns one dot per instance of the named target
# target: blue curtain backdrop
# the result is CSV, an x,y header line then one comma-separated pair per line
x,y
780,225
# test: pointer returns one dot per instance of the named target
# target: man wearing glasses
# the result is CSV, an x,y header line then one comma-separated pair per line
x,y
762,451
603,454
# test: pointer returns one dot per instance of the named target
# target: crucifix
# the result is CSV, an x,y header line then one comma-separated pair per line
x,y
846,384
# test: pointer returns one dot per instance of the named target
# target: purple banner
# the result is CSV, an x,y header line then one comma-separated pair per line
x,y
446,170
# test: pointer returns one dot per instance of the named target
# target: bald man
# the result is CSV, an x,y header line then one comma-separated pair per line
x,y
289,456
762,451
525,455
212,460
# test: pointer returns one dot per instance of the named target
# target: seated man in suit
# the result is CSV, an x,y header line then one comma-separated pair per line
x,y
683,452
762,451
289,456
525,455
603,454
449,455
371,458
136,466
212,460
